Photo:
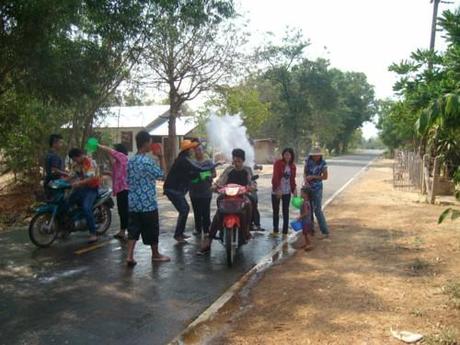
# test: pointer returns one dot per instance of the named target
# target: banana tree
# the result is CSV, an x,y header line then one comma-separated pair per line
x,y
439,126
452,212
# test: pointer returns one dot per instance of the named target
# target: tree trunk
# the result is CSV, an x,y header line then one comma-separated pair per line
x,y
172,139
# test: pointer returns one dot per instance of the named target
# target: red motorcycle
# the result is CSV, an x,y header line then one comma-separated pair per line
x,y
231,206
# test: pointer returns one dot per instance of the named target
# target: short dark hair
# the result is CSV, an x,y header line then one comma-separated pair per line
x,y
306,190
121,148
142,138
75,152
239,153
291,151
53,138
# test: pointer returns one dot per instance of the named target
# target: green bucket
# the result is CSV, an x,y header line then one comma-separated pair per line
x,y
91,145
204,175
297,202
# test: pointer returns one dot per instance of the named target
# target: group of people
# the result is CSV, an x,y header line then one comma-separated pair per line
x,y
134,186
284,186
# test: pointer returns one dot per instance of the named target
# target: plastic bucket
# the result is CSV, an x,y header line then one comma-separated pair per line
x,y
297,225
91,145
204,175
297,202
156,149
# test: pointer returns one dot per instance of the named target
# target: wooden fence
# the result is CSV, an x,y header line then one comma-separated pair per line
x,y
412,173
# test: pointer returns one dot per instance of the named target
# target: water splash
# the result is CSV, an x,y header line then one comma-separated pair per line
x,y
226,133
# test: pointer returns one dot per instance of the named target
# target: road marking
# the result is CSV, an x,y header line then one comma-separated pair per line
x,y
90,248
260,266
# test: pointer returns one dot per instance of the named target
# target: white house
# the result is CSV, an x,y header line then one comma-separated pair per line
x,y
123,123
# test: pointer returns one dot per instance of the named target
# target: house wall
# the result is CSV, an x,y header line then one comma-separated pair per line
x,y
115,135
264,152
122,135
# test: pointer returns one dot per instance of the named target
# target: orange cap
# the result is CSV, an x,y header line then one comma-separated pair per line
x,y
188,144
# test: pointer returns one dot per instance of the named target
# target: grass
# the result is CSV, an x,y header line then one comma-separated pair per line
x,y
418,243
453,291
447,336
417,312
419,266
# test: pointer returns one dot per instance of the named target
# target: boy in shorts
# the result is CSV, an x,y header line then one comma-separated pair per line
x,y
142,199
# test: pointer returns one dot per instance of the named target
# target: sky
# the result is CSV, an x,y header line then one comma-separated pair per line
x,y
354,35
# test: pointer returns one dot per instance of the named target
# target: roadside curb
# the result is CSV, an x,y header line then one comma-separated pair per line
x,y
262,265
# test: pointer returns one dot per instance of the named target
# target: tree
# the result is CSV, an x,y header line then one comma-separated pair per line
x,y
428,109
277,63
193,46
356,105
59,62
313,103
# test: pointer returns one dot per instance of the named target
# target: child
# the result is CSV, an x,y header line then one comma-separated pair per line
x,y
305,217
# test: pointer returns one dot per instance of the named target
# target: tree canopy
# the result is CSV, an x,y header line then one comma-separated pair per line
x,y
426,116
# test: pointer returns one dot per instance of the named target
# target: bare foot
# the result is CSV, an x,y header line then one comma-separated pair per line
x,y
92,239
161,258
308,248
120,236
131,263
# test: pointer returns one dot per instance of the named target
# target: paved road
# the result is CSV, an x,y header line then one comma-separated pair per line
x,y
54,296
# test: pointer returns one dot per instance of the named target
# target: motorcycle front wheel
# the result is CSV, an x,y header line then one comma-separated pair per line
x,y
103,218
229,247
41,232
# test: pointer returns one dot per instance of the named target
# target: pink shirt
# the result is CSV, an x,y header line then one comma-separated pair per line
x,y
119,172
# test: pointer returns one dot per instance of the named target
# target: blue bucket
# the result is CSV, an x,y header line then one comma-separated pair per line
x,y
297,225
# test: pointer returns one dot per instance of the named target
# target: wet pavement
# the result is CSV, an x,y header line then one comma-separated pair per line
x,y
63,295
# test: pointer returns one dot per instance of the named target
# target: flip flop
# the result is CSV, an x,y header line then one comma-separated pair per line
x,y
162,259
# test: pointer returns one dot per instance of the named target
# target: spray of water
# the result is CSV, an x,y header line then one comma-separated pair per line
x,y
226,133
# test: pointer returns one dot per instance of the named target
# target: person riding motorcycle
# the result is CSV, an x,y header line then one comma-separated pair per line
x,y
239,174
85,183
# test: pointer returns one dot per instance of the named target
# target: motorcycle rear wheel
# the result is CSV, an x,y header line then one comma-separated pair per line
x,y
40,232
103,218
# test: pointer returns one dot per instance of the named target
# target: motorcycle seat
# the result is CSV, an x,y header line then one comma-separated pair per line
x,y
103,191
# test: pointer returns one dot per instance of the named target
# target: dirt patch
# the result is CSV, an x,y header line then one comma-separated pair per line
x,y
16,205
388,266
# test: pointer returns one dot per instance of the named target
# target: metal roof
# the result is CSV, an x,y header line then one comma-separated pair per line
x,y
184,125
134,116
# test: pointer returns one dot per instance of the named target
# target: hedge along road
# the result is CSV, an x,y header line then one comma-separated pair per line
x,y
73,293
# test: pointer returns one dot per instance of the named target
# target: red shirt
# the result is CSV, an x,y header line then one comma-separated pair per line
x,y
278,171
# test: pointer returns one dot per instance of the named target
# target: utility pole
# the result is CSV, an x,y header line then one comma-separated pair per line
x,y
433,23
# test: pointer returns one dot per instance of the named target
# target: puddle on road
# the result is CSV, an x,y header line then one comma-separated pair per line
x,y
60,275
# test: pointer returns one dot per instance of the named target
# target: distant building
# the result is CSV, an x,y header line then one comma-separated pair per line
x,y
123,123
265,151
